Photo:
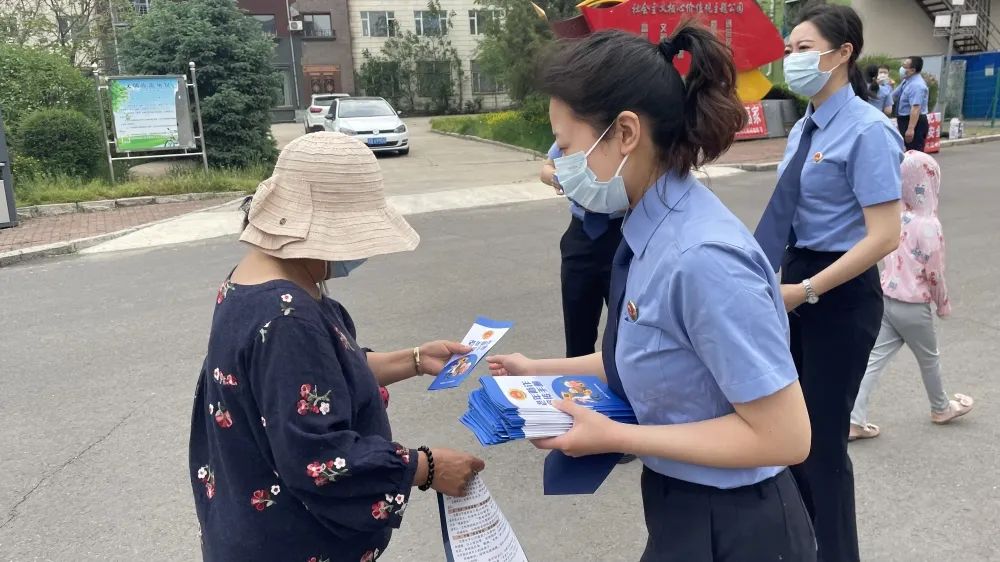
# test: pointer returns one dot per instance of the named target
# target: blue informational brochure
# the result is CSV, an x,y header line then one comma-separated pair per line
x,y
483,335
508,408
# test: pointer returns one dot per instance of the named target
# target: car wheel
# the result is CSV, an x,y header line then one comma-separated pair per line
x,y
404,152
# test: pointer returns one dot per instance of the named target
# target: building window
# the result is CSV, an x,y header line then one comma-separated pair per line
x,y
381,78
480,20
432,77
141,7
378,24
268,24
317,25
484,83
429,23
286,95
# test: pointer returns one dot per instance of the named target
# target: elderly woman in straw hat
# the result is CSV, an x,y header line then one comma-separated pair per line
x,y
291,454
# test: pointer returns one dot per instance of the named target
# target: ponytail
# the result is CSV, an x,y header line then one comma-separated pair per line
x,y
861,87
713,113
871,72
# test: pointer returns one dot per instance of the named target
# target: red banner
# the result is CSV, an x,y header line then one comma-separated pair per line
x,y
933,144
756,123
742,25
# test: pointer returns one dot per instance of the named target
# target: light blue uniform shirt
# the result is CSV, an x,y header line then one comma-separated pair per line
x,y
853,163
912,91
884,98
710,328
574,208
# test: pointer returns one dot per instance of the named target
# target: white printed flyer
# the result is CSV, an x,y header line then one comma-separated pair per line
x,y
475,530
482,336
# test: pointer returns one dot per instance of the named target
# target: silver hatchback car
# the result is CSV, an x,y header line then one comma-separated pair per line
x,y
372,120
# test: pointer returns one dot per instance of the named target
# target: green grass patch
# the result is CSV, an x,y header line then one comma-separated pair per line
x,y
510,127
64,189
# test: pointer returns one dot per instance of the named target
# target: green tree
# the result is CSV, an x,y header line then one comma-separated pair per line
x,y
32,79
514,45
411,67
82,31
236,81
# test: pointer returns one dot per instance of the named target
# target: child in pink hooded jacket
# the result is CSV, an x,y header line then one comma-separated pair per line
x,y
913,279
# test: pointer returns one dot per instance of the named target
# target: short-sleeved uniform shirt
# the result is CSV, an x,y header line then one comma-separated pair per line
x,y
853,162
291,456
912,91
703,326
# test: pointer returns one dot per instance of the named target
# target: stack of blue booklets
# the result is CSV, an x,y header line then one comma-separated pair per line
x,y
509,408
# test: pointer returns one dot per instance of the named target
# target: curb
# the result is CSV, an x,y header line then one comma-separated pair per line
x,y
56,209
535,153
73,246
755,166
970,140
771,166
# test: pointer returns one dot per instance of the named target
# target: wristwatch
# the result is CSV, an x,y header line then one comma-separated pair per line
x,y
811,296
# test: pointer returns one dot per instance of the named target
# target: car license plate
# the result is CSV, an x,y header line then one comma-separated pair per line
x,y
376,141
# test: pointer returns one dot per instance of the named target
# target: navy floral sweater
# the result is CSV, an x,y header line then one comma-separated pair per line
x,y
291,454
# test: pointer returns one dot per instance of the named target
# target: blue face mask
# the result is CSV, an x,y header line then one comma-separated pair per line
x,y
802,73
580,183
337,269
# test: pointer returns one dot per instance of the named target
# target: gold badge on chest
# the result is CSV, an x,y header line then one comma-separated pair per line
x,y
818,157
632,310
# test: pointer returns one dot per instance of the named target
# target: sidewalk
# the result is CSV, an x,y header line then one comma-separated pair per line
x,y
754,152
63,228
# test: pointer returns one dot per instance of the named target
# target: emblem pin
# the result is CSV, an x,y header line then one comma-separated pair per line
x,y
818,157
633,311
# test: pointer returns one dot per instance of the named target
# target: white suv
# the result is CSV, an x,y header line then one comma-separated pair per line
x,y
372,120
318,106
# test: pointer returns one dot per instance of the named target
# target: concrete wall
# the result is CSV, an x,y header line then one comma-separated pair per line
x,y
898,28
461,37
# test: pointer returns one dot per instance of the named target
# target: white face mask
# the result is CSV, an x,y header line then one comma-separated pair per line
x,y
580,183
902,72
883,78
802,73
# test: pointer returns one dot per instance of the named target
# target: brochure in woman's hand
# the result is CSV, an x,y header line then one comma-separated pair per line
x,y
482,336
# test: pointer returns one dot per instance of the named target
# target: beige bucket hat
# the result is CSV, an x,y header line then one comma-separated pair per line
x,y
325,201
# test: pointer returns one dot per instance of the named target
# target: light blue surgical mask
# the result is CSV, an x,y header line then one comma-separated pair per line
x,y
337,269
902,73
802,73
580,183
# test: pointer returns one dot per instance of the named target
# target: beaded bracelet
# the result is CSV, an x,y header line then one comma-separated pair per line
x,y
430,469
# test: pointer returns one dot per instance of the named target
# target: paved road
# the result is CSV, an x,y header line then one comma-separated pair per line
x,y
100,354
440,163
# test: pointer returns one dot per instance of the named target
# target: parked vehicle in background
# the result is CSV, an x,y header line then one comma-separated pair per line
x,y
372,120
318,108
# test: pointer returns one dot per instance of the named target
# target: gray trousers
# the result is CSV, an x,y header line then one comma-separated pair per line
x,y
912,324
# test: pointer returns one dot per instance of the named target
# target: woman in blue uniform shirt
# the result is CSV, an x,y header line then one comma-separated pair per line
x,y
697,333
836,209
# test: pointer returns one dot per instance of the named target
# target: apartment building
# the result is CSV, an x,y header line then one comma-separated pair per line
x,y
372,22
312,48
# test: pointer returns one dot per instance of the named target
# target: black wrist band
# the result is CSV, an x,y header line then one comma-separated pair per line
x,y
430,469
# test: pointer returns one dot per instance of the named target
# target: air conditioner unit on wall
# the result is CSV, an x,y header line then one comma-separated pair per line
x,y
294,26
